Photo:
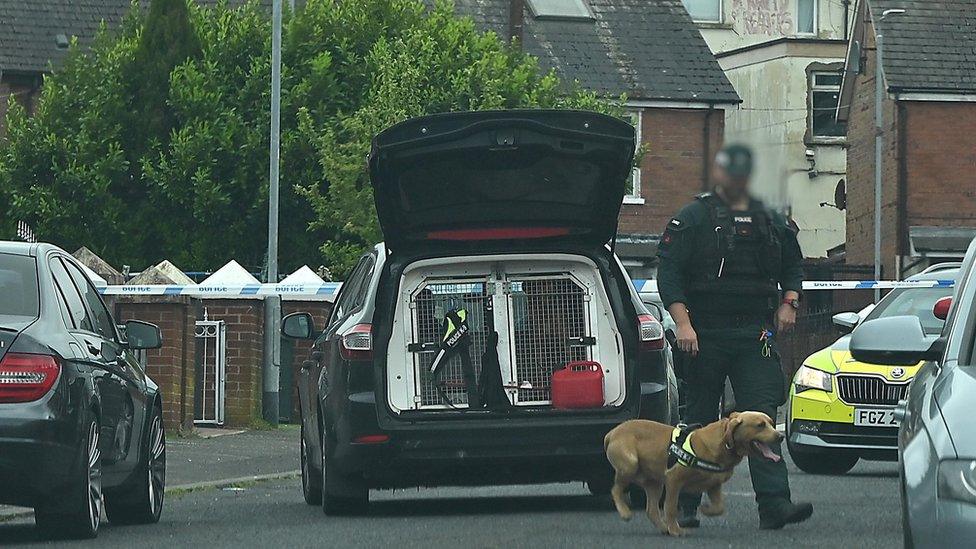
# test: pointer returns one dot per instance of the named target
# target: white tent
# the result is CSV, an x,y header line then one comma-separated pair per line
x,y
304,275
231,274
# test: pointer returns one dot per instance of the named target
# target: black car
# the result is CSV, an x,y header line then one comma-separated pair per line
x,y
80,422
498,222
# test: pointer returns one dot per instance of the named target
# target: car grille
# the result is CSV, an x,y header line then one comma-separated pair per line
x,y
870,390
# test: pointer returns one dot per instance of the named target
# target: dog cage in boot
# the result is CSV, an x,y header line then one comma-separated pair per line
x,y
547,313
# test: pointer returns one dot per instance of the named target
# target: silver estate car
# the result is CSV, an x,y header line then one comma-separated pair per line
x,y
936,439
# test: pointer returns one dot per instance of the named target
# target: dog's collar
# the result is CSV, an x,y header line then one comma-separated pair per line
x,y
682,453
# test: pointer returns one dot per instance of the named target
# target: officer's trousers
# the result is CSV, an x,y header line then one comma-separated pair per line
x,y
757,381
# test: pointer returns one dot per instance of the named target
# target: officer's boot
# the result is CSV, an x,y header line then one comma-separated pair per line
x,y
688,517
776,515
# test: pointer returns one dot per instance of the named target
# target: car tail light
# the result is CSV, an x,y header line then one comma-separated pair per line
x,y
651,333
27,377
357,343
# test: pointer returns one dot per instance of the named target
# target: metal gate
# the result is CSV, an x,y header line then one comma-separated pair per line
x,y
211,340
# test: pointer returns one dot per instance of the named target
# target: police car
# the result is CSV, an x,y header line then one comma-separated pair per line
x,y
842,410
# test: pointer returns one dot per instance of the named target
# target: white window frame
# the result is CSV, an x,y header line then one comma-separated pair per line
x,y
814,87
721,15
816,19
634,195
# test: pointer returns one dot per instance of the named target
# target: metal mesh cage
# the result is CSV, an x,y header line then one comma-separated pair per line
x,y
550,328
430,303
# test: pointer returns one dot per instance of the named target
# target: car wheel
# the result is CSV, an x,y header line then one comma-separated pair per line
x,y
142,502
341,495
81,515
311,478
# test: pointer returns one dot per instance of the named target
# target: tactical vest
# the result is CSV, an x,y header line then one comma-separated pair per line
x,y
737,261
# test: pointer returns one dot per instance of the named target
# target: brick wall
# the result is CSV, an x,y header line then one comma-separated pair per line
x,y
673,166
929,171
860,171
244,320
940,167
173,365
25,89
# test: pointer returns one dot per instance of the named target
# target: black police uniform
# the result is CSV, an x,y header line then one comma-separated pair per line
x,y
726,267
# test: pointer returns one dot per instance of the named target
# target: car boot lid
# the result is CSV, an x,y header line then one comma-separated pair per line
x,y
502,175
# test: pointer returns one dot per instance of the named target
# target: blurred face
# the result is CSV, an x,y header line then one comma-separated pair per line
x,y
732,186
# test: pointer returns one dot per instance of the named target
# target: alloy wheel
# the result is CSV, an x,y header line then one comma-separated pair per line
x,y
157,465
94,486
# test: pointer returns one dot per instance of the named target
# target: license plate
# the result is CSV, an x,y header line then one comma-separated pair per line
x,y
873,417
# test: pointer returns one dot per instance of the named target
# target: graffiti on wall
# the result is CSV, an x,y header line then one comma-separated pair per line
x,y
769,17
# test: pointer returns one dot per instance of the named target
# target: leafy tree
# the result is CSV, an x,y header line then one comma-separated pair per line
x,y
154,143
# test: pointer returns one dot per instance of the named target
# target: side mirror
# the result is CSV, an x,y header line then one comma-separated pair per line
x,y
298,326
846,322
941,308
897,341
142,335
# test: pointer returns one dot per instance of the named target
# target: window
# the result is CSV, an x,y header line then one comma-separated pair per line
x,y
353,289
824,96
633,195
560,9
806,17
704,11
101,320
76,307
18,286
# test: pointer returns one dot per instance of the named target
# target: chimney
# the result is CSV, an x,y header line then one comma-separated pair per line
x,y
516,21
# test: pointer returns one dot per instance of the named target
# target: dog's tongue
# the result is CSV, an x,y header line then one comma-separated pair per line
x,y
766,451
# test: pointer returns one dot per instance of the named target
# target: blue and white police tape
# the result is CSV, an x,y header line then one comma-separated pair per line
x,y
812,285
329,289
326,290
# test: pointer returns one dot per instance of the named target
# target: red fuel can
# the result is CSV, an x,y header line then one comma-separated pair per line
x,y
578,385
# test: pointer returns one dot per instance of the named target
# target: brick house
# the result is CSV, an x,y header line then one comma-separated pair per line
x,y
652,52
929,132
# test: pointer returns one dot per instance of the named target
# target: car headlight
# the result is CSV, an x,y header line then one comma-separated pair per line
x,y
957,480
812,378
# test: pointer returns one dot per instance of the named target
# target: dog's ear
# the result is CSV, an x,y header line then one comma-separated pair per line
x,y
733,422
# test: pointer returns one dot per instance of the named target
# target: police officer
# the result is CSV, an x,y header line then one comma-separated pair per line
x,y
724,260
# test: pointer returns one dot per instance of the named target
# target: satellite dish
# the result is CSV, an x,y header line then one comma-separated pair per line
x,y
840,195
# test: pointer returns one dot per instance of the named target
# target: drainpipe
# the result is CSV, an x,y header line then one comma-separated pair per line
x,y
516,22
847,14
707,149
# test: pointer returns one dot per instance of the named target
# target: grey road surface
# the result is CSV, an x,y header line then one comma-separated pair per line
x,y
860,510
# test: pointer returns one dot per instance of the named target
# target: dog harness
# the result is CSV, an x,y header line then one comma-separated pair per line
x,y
681,452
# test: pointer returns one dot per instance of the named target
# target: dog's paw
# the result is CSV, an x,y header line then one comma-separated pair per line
x,y
710,510
626,515
675,531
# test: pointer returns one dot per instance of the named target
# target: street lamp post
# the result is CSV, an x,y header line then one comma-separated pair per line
x,y
879,92
272,304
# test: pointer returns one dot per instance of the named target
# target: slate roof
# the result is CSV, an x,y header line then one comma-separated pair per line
x,y
648,49
29,28
929,48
